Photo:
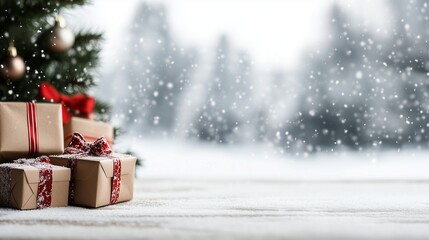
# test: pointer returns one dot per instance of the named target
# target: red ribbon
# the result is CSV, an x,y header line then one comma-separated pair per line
x,y
79,147
44,189
88,138
79,103
116,181
33,138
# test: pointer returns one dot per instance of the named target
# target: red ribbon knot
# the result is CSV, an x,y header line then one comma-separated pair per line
x,y
80,104
79,147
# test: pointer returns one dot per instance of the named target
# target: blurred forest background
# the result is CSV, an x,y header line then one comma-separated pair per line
x,y
357,91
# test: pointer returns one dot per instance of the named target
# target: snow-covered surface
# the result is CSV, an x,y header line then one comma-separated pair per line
x,y
204,192
178,159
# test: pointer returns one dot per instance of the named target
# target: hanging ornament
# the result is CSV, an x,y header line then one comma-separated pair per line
x,y
59,38
12,67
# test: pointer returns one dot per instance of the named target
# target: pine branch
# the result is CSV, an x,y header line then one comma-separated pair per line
x,y
85,37
77,83
25,9
25,12
102,110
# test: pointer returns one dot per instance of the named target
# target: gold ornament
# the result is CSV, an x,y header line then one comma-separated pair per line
x,y
12,68
59,38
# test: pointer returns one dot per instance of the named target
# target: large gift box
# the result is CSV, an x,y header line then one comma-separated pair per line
x,y
90,129
33,183
99,177
30,129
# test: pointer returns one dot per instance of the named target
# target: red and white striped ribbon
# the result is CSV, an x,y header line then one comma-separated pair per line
x,y
33,138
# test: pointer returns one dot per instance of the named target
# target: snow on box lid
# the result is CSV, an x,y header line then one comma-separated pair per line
x,y
127,168
59,173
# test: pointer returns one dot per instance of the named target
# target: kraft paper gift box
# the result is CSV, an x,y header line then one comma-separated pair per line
x,y
24,186
29,130
98,176
90,129
92,177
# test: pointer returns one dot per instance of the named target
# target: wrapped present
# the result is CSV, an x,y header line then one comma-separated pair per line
x,y
33,183
90,129
30,129
99,177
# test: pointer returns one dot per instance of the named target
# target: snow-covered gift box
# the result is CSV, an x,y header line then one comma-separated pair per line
x,y
90,129
33,183
30,129
99,177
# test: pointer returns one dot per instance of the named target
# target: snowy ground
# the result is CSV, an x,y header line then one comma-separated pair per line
x,y
199,191
175,159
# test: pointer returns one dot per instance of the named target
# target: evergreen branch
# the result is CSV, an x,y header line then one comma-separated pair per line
x,y
80,82
31,7
83,56
102,110
117,132
16,13
84,37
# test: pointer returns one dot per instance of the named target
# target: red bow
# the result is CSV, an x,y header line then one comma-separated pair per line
x,y
78,145
100,148
79,103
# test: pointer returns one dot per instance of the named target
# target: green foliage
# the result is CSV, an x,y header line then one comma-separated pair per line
x,y
102,111
26,23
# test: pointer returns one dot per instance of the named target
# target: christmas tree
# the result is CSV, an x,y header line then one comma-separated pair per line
x,y
37,47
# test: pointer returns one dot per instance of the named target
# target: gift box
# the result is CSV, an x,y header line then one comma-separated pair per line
x,y
90,129
99,177
31,184
29,130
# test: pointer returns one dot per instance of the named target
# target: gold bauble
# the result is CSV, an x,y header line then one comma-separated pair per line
x,y
59,38
12,67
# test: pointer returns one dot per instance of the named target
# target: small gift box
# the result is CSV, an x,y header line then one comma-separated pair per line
x,y
33,183
90,129
30,129
99,177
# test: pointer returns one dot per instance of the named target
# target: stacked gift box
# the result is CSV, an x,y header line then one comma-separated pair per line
x,y
45,163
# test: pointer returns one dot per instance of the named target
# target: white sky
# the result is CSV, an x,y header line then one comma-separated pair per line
x,y
275,32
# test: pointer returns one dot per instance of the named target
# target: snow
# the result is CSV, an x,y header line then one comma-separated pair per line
x,y
282,165
362,85
200,191
193,160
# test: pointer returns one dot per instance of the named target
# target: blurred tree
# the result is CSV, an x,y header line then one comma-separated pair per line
x,y
156,71
226,105
408,60
336,96
363,92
